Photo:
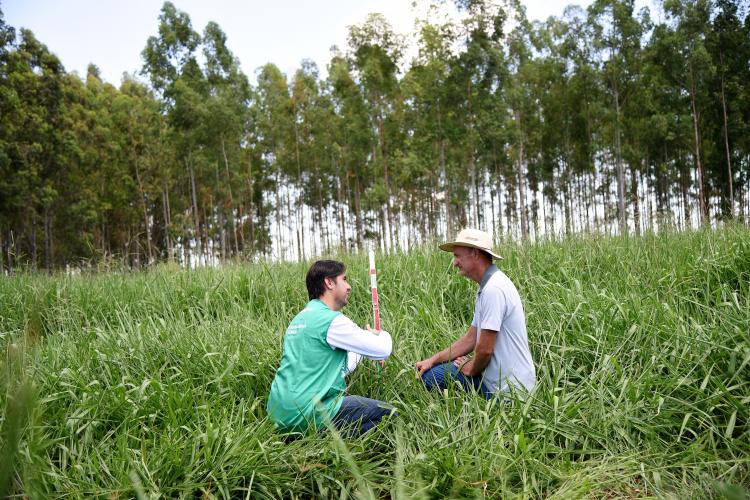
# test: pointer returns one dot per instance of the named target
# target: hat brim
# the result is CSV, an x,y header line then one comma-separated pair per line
x,y
448,247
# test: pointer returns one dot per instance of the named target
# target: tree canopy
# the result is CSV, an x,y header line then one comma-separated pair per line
x,y
606,119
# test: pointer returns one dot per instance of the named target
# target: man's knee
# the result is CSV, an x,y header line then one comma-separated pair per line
x,y
434,377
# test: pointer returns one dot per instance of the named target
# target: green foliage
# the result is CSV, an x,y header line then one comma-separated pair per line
x,y
155,382
604,120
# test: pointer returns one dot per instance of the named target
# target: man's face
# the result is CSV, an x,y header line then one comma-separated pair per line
x,y
464,259
340,288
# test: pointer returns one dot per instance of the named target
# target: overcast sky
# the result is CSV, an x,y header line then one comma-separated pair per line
x,y
112,33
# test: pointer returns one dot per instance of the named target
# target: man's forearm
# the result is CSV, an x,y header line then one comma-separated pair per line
x,y
482,355
477,364
461,347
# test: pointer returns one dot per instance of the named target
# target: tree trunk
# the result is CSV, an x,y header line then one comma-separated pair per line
x,y
167,220
194,195
208,250
231,198
340,204
635,201
11,251
298,204
620,170
33,240
145,212
449,222
521,184
726,144
698,159
251,212
358,210
684,192
279,245
387,232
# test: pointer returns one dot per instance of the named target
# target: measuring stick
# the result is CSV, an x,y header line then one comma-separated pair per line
x,y
374,288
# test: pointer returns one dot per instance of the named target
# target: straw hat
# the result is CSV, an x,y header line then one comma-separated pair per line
x,y
472,238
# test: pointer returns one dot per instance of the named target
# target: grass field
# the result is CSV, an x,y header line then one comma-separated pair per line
x,y
154,384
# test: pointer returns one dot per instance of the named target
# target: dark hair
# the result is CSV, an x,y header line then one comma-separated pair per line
x,y
317,274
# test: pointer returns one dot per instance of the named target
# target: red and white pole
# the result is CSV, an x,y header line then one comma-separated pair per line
x,y
374,288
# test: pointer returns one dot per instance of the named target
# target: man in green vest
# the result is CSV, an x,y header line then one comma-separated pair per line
x,y
321,346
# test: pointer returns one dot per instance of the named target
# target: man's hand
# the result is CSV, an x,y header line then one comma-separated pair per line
x,y
464,364
423,366
376,332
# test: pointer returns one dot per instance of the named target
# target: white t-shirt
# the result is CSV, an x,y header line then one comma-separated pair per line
x,y
344,334
499,308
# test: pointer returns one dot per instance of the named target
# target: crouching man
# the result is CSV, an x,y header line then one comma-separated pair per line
x,y
497,335
321,346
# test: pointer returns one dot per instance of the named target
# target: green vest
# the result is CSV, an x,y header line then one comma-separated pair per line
x,y
310,380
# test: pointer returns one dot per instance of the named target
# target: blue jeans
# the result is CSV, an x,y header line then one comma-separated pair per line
x,y
360,414
438,377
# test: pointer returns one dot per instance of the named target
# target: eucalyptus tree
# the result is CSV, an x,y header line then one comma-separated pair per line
x,y
275,128
255,209
670,131
170,61
137,124
586,102
228,97
728,43
30,157
569,95
551,92
102,213
524,111
690,24
471,92
429,125
618,37
314,154
9,112
376,51
353,145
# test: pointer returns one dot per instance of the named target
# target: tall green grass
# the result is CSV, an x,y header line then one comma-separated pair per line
x,y
154,384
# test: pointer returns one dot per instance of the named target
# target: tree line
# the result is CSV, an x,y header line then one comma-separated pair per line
x,y
606,119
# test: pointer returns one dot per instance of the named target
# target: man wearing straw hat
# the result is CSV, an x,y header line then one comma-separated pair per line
x,y
497,336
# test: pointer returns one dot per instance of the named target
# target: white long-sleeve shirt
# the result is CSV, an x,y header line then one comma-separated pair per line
x,y
344,334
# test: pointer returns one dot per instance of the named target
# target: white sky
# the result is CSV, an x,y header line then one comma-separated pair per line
x,y
112,33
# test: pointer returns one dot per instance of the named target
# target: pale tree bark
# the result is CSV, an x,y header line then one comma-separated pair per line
x,y
231,198
300,214
251,216
279,245
521,184
194,197
388,209
167,221
622,218
697,149
635,201
726,143
144,205
47,239
33,239
340,204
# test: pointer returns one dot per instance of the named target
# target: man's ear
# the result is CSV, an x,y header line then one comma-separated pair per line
x,y
329,283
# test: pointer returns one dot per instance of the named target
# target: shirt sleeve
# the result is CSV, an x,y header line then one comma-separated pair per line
x,y
352,360
491,312
344,334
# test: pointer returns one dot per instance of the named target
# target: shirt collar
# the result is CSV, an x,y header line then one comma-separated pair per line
x,y
487,275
